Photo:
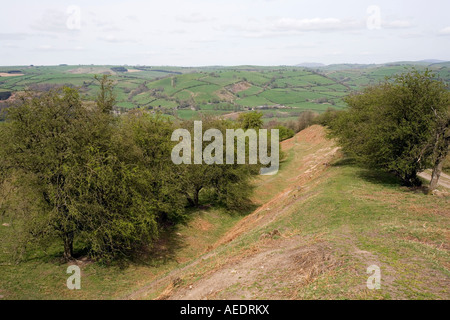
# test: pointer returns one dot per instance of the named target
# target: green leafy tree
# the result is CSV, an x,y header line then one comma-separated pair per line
x,y
47,136
227,184
100,181
440,142
400,126
285,133
106,97
251,120
145,140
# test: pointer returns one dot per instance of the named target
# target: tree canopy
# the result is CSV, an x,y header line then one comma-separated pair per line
x,y
104,183
400,126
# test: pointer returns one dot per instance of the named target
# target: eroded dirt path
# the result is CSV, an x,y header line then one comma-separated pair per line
x,y
274,267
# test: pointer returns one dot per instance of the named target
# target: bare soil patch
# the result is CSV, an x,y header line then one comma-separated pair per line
x,y
3,74
232,116
225,95
275,271
89,70
240,86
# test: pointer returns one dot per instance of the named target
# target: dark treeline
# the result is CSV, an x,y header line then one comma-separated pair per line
x,y
4,95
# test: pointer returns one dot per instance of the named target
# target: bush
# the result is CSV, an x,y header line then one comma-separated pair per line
x,y
326,119
119,69
284,132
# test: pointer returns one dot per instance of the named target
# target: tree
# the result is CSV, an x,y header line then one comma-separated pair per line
x,y
102,184
100,181
441,146
105,98
400,126
305,119
284,132
228,184
145,140
46,137
250,120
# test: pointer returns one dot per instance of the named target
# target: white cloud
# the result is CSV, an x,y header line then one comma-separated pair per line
x,y
114,39
275,27
194,18
315,24
53,21
100,24
13,36
23,36
45,47
412,35
397,24
178,31
445,31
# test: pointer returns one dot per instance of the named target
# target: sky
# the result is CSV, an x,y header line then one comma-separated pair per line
x,y
223,32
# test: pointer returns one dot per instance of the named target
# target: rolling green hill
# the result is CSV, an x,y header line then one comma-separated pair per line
x,y
187,92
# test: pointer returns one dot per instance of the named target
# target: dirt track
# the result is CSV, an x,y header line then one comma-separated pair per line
x,y
444,180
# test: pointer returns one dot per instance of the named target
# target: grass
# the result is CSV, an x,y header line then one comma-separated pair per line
x,y
446,166
42,275
405,231
253,101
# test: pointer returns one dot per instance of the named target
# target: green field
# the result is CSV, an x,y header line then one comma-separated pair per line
x,y
216,90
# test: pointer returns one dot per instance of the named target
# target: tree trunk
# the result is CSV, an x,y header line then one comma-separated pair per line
x,y
196,197
411,180
68,246
437,170
193,201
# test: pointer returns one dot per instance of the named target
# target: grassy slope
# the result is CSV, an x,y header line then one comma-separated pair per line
x,y
332,222
42,274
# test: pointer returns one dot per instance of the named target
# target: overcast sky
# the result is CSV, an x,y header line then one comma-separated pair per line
x,y
223,32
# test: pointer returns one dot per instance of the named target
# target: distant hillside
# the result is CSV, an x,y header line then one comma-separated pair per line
x,y
433,61
278,92
310,65
348,66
